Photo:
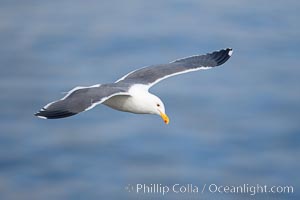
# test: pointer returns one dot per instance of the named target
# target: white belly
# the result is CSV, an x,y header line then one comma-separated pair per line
x,y
126,104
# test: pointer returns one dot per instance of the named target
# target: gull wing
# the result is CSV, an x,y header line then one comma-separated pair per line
x,y
80,99
153,74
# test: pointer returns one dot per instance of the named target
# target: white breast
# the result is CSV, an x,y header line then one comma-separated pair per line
x,y
137,102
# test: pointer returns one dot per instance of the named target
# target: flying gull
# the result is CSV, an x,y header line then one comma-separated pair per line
x,y
130,93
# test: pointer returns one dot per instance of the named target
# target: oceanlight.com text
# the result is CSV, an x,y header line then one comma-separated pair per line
x,y
250,189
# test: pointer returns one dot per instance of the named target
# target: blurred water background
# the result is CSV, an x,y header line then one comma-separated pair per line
x,y
232,125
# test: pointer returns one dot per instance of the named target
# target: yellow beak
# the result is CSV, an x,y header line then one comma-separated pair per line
x,y
164,117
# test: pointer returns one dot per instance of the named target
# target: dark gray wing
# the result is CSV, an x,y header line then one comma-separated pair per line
x,y
80,99
153,74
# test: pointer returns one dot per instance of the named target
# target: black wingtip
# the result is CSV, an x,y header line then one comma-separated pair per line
x,y
45,114
222,56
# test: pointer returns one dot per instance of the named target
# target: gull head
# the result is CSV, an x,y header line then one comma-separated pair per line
x,y
158,107
143,102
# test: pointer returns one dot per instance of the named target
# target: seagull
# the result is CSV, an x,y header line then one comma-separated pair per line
x,y
131,92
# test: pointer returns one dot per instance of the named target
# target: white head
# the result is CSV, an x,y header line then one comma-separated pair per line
x,y
157,107
143,102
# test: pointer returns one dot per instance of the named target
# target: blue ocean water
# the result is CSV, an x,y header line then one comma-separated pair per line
x,y
233,125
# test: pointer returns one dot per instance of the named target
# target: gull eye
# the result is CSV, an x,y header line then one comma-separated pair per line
x,y
157,105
